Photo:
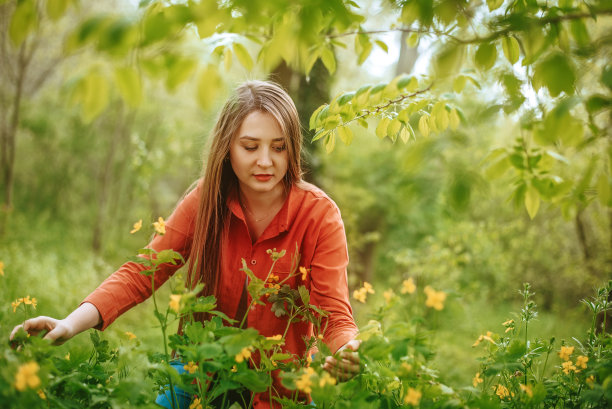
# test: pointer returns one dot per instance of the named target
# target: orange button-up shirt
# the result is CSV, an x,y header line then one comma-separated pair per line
x,y
309,219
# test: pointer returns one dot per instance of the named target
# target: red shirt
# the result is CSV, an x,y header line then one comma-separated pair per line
x,y
308,219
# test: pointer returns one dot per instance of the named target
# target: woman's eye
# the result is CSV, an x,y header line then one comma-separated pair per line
x,y
250,148
279,148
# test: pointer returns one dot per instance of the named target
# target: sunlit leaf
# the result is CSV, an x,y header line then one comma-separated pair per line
x,y
345,134
424,125
453,119
459,83
327,56
580,33
556,74
129,85
330,142
209,87
23,21
381,129
449,60
179,71
486,55
412,40
511,49
494,4
56,8
393,129
243,56
96,97
532,201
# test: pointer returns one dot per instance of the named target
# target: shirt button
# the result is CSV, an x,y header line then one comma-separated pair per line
x,y
253,262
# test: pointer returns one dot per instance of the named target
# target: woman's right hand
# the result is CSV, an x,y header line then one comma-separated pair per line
x,y
86,316
56,331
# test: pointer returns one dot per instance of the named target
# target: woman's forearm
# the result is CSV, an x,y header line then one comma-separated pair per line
x,y
86,316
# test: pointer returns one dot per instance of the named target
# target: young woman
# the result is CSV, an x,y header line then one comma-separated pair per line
x,y
250,199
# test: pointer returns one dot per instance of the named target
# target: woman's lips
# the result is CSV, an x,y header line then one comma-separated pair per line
x,y
263,178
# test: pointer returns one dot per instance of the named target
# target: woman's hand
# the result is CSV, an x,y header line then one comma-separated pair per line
x,y
59,331
344,365
56,331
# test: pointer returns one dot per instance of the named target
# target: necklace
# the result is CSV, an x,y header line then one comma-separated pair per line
x,y
253,214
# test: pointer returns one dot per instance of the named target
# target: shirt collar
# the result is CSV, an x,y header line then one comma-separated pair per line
x,y
280,223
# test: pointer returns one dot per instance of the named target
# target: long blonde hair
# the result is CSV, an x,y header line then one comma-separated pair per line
x,y
219,178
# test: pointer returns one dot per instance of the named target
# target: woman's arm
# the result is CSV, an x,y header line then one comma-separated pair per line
x,y
86,316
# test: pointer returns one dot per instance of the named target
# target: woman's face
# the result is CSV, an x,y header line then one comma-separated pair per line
x,y
258,154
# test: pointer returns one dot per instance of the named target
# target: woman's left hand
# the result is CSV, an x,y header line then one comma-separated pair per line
x,y
344,365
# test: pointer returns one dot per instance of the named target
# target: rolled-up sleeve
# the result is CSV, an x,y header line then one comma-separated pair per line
x,y
127,286
329,286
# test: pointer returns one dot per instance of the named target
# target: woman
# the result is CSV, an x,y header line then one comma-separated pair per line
x,y
250,199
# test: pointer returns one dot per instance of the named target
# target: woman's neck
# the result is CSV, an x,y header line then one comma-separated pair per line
x,y
259,204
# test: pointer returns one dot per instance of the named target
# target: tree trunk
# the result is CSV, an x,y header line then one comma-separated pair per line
x,y
106,179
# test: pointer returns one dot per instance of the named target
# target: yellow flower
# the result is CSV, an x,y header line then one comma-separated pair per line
x,y
29,301
234,369
501,391
406,366
137,226
41,394
191,367
130,335
360,295
27,376
16,304
368,287
590,380
408,286
275,337
304,272
581,361
67,357
304,383
566,352
527,390
196,404
175,302
160,226
435,299
477,379
244,354
1,269
507,323
412,397
486,337
326,379
273,277
388,295
568,366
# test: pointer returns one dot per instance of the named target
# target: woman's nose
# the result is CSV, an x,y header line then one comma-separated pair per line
x,y
264,159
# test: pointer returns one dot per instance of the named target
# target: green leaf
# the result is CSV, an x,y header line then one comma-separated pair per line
x,y
243,56
382,45
327,56
209,86
580,33
24,20
304,295
596,103
412,40
56,8
511,49
494,4
252,380
320,134
406,133
345,134
330,142
393,129
381,129
532,201
96,96
179,71
449,60
486,55
556,73
129,85
313,118
606,76
424,125
459,83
